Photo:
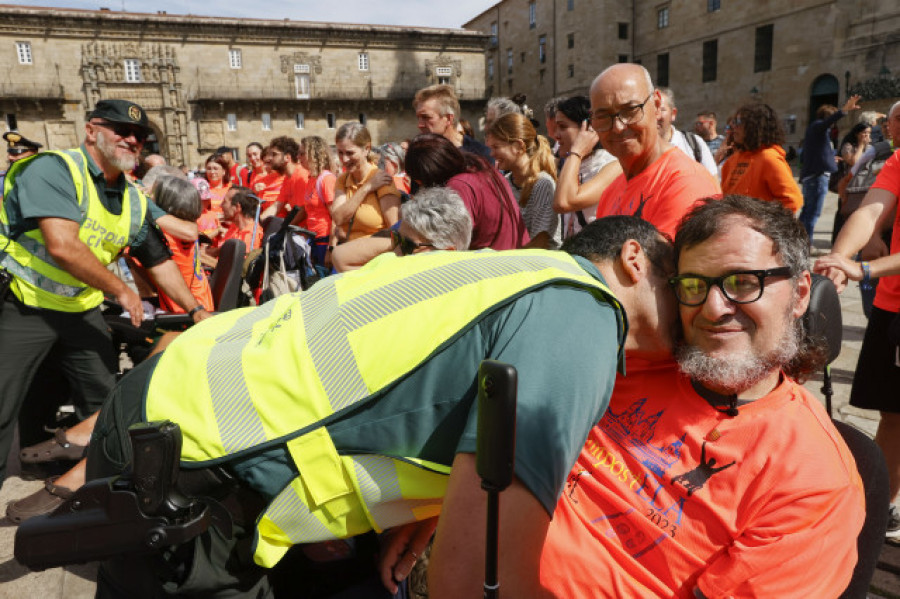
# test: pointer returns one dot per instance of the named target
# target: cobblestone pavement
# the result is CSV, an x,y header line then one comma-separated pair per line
x,y
77,582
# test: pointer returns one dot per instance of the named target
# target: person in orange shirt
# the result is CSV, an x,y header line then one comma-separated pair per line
x,y
286,161
659,182
316,157
392,161
719,475
240,210
365,199
758,168
266,182
219,180
182,200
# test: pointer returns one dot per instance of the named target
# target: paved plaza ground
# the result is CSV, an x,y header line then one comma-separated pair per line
x,y
77,582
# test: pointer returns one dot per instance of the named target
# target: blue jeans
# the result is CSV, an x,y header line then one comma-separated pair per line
x,y
814,190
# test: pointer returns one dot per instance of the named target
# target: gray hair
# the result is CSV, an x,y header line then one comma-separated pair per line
x,y
393,152
178,197
158,172
552,105
502,106
894,106
868,117
439,216
669,94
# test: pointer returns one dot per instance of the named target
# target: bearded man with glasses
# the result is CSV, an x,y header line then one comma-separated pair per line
x,y
67,215
657,184
716,474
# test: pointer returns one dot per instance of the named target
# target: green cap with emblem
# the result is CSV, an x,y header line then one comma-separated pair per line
x,y
121,111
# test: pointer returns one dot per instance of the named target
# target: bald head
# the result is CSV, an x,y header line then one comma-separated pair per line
x,y
625,92
890,128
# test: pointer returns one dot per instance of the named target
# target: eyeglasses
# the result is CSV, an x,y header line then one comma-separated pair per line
x,y
407,246
737,121
18,151
626,116
123,130
741,287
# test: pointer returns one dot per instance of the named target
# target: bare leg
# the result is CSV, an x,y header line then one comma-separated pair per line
x,y
73,478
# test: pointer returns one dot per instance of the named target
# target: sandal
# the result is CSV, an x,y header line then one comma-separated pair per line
x,y
38,503
57,448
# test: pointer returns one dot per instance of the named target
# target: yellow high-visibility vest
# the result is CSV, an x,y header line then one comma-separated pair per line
x,y
38,280
263,376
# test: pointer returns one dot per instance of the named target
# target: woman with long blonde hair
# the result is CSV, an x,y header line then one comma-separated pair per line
x,y
518,149
316,157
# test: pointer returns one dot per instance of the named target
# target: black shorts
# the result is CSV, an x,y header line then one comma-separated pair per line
x,y
877,376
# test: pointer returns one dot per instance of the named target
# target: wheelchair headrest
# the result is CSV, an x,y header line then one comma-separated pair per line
x,y
823,316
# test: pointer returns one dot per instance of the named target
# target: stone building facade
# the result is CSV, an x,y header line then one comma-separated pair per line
x,y
207,82
716,54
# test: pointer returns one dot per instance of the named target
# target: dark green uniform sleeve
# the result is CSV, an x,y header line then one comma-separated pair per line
x,y
44,190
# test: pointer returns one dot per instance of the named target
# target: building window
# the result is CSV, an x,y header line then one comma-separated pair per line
x,y
662,17
301,81
266,121
362,118
623,31
713,5
662,69
329,120
762,56
231,121
522,56
132,70
363,61
542,73
443,75
542,48
532,14
570,41
509,61
234,58
494,40
623,58
710,59
571,5
490,68
300,120
571,70
23,51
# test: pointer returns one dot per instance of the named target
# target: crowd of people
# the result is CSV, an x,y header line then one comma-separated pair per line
x,y
648,283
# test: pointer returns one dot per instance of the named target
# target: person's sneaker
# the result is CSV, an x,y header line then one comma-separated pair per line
x,y
40,502
893,527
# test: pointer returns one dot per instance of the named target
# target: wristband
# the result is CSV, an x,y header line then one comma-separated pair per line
x,y
866,282
580,157
195,309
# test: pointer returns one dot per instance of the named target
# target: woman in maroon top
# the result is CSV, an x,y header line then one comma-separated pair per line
x,y
433,161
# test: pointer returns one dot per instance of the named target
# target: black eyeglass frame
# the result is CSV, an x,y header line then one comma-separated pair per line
x,y
761,275
407,245
124,130
639,114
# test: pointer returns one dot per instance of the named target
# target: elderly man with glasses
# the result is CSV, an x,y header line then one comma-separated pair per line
x,y
716,474
659,182
65,217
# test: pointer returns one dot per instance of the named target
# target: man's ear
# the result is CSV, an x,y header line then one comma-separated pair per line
x,y
674,114
804,287
633,261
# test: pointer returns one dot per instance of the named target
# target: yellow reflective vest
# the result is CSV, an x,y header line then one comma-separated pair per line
x,y
38,280
257,377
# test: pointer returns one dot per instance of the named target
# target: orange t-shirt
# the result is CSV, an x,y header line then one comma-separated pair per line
x,y
368,218
887,295
762,174
233,232
318,215
185,255
216,195
662,193
208,224
266,186
293,190
669,494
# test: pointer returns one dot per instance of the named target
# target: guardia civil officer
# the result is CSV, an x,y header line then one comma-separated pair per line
x,y
65,217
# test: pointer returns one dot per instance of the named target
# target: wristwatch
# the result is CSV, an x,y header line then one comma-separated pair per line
x,y
195,309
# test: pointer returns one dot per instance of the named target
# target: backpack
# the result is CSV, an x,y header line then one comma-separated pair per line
x,y
691,140
285,263
859,184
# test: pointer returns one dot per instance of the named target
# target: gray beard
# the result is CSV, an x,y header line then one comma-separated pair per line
x,y
108,149
735,373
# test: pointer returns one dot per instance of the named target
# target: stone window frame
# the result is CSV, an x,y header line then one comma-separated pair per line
x,y
570,41
231,121
710,60
509,61
571,70
623,31
713,5
235,58
763,46
362,61
300,121
662,69
266,121
662,16
24,54
363,119
302,72
330,120
542,49
532,14
490,68
132,70
444,75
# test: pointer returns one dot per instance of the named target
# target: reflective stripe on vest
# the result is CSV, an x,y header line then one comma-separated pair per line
x,y
39,281
273,373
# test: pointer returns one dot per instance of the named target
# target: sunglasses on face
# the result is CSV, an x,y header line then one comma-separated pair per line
x,y
407,246
18,151
124,131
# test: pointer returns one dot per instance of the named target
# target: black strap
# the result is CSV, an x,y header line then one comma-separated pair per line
x,y
692,142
